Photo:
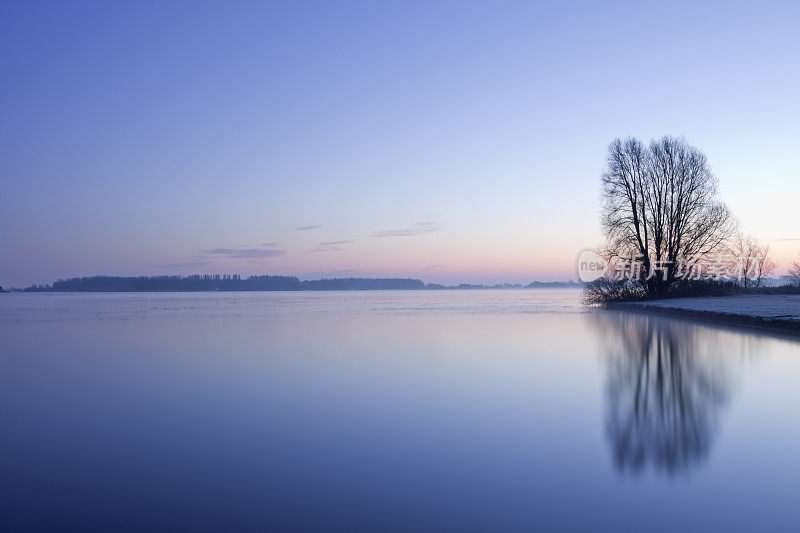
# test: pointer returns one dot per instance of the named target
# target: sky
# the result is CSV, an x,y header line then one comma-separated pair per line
x,y
447,141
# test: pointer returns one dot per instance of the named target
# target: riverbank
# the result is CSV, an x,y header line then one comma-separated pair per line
x,y
780,312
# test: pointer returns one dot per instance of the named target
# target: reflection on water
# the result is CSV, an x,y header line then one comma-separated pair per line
x,y
667,383
388,411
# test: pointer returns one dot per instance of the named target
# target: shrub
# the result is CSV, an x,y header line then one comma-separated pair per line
x,y
604,290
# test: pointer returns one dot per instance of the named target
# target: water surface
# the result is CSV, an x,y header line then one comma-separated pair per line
x,y
510,410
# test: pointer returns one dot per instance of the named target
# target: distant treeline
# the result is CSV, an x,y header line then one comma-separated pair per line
x,y
234,282
217,282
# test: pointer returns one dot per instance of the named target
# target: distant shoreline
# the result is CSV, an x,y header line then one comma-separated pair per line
x,y
235,283
453,288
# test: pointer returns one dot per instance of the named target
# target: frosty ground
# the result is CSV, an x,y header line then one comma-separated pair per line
x,y
772,311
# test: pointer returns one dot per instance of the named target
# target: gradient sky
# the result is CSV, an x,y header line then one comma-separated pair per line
x,y
449,141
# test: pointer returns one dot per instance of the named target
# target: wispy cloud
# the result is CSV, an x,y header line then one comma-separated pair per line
x,y
270,244
330,246
789,239
247,253
306,228
419,228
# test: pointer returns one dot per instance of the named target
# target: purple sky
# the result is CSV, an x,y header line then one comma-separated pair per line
x,y
449,141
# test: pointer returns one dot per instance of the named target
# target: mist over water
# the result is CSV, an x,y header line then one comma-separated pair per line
x,y
408,410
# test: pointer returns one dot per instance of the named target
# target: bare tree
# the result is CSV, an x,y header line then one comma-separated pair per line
x,y
754,261
660,204
794,272
765,265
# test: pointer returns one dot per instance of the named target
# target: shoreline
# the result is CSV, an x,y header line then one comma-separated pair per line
x,y
778,313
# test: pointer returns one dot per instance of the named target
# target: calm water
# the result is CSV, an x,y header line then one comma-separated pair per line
x,y
384,411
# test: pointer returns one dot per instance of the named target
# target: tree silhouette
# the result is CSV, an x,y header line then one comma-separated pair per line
x,y
659,204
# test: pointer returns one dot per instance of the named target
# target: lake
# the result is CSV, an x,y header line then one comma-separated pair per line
x,y
490,410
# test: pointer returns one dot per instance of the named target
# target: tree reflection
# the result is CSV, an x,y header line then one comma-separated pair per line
x,y
667,381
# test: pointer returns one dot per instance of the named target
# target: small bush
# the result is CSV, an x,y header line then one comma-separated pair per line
x,y
778,289
701,287
604,291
